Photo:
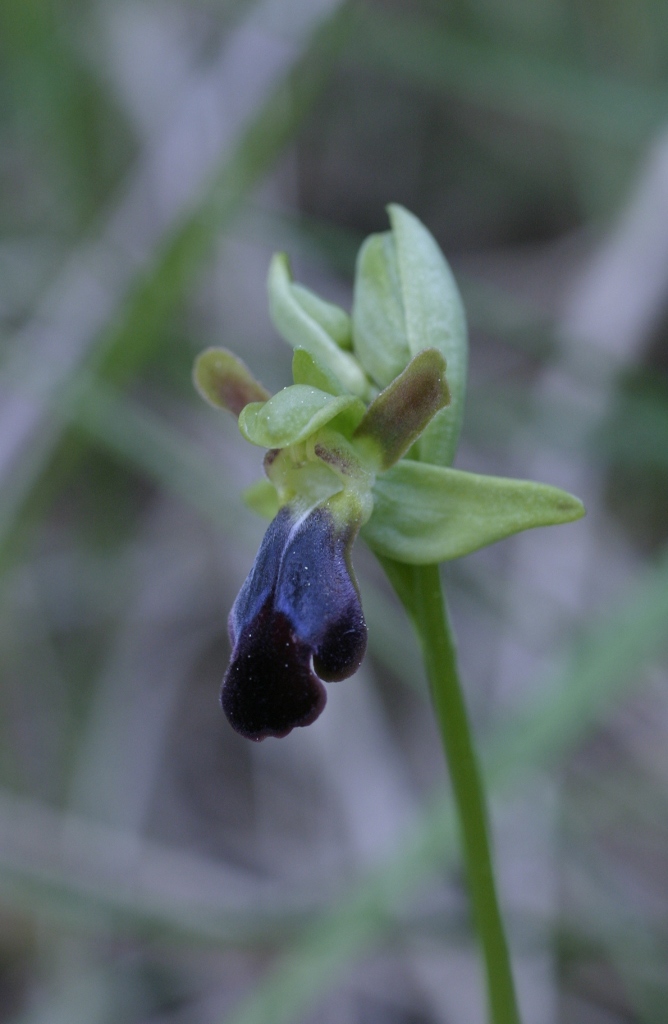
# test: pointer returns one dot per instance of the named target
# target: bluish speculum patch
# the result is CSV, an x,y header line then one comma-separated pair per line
x,y
296,621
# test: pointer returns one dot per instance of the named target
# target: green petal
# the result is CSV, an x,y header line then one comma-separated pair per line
x,y
406,300
425,514
294,414
225,381
261,498
307,370
295,321
397,417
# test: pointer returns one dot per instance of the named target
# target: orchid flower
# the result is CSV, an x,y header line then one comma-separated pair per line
x,y
362,441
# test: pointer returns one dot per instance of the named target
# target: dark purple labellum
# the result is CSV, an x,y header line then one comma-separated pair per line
x,y
297,620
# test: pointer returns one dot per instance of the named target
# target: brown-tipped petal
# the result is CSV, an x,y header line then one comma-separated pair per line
x,y
397,417
224,381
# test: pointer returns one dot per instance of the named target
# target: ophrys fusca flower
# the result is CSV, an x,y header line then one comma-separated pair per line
x,y
361,441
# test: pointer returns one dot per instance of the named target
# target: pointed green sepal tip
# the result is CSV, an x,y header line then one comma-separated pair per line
x,y
308,322
295,413
425,514
225,382
397,417
261,498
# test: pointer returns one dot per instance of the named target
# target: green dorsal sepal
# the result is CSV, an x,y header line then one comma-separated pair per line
x,y
225,382
379,323
397,417
433,313
406,298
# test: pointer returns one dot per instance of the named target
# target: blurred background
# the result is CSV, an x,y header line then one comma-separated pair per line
x,y
154,866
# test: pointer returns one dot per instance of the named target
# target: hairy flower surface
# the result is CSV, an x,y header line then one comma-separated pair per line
x,y
363,440
298,619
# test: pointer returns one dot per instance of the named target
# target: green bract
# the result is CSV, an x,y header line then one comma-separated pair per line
x,y
381,461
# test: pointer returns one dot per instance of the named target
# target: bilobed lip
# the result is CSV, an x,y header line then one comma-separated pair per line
x,y
296,621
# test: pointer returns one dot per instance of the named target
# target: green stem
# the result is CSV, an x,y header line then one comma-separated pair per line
x,y
431,620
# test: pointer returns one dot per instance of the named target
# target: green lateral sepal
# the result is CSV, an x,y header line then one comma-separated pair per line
x,y
397,417
425,514
308,324
261,498
334,320
224,381
295,413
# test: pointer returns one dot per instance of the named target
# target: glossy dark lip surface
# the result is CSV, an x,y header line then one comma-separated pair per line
x,y
297,620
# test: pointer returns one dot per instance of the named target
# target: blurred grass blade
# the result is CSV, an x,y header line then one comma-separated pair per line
x,y
131,341
603,665
148,442
565,97
64,867
607,663
133,337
